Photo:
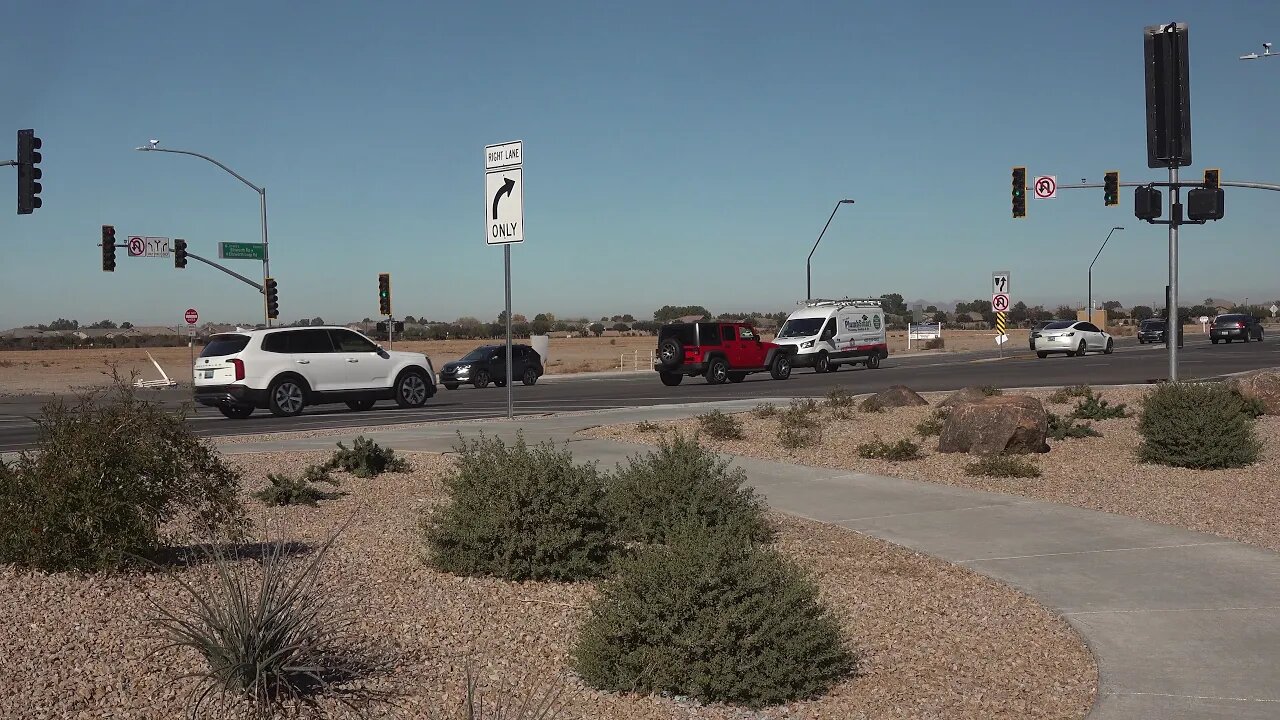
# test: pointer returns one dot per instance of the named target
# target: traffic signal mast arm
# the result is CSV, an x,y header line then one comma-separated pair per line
x,y
1192,185
232,273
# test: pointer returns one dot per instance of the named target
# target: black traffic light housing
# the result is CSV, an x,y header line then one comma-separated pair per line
x,y
1148,202
1212,177
28,172
273,297
108,248
1205,204
179,253
1111,188
384,294
1019,192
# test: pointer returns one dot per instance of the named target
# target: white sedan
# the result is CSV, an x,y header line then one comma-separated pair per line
x,y
1073,338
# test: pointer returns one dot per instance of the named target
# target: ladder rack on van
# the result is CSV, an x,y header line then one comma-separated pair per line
x,y
845,302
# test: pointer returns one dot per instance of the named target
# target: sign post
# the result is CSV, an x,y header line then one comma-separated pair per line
x,y
504,217
1000,304
192,317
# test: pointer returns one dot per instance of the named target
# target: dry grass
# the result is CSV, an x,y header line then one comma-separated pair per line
x,y
1099,473
934,640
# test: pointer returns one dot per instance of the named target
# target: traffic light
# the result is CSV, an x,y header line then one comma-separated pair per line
x,y
1205,204
108,248
1148,202
273,298
1111,188
1211,178
384,294
28,172
1019,192
179,253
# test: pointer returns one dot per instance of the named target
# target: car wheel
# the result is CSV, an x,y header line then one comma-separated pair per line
x,y
451,386
822,363
286,397
671,379
670,352
360,405
530,376
717,371
236,412
1214,341
781,369
412,389
1141,341
737,377
481,380
1042,355
873,362
1228,341
1110,347
1084,348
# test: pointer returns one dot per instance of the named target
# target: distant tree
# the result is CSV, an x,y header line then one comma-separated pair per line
x,y
410,319
1020,312
103,325
64,324
126,325
597,329
621,327
1039,314
893,304
931,309
939,316
518,318
317,321
540,325
1142,312
1111,305
646,326
669,313
628,318
561,326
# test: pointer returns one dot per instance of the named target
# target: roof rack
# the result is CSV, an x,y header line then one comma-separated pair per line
x,y
843,302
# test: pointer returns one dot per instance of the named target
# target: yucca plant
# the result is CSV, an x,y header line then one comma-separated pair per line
x,y
539,700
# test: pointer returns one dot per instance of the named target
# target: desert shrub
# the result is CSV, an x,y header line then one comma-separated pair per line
x,y
878,449
765,410
712,617
720,426
1252,406
366,458
682,482
1061,428
840,398
521,513
1093,407
872,405
270,636
1066,394
288,490
990,390
645,426
932,425
797,426
1197,425
108,472
934,344
510,699
1002,466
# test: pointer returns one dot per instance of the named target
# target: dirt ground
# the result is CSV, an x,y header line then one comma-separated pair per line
x,y
60,371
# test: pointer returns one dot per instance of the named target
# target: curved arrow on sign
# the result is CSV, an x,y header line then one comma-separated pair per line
x,y
504,190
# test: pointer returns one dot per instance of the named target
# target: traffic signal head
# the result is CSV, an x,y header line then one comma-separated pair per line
x,y
384,294
1147,203
108,248
1019,191
273,298
1111,188
179,253
1211,178
1205,203
28,172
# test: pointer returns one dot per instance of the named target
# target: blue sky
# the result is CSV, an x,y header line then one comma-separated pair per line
x,y
675,153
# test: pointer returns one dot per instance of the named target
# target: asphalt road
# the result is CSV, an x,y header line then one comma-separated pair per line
x,y
1130,363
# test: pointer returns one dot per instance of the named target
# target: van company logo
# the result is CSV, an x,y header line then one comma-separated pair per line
x,y
866,323
875,321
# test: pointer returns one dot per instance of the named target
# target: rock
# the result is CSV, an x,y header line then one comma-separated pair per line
x,y
896,396
964,396
1263,385
998,424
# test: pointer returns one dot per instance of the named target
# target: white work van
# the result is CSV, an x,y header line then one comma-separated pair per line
x,y
831,333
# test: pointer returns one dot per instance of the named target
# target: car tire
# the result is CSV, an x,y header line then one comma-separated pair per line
x,y
530,376
286,397
412,389
873,362
451,386
1080,351
236,412
1141,341
822,363
671,379
1214,341
1042,355
1110,347
781,367
737,377
1228,340
360,405
481,380
670,352
717,371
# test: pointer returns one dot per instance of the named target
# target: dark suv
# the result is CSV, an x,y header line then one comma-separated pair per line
x,y
719,351
1235,326
486,365
1152,330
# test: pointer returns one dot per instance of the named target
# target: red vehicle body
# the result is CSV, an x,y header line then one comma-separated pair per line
x,y
719,351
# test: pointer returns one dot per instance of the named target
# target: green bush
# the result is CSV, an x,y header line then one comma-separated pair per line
x,y
521,513
1093,407
900,451
510,699
715,618
1066,394
840,398
720,426
645,426
287,490
1197,425
1061,428
797,425
932,425
366,459
108,472
872,404
765,410
1002,466
990,390
1252,406
682,482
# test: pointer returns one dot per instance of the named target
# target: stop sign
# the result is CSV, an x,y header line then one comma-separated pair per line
x,y
191,316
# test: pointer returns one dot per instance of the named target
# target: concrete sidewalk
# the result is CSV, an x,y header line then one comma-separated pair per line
x,y
1184,625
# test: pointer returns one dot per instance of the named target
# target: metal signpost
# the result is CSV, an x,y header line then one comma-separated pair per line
x,y
504,217
192,317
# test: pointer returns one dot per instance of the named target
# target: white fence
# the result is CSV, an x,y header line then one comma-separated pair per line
x,y
632,359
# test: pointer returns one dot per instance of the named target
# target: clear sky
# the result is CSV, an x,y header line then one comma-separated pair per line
x,y
675,152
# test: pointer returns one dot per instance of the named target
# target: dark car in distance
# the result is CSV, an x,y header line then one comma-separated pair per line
x,y
486,364
1152,330
1235,326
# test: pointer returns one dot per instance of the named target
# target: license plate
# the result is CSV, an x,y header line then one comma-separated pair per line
x,y
208,374
1223,332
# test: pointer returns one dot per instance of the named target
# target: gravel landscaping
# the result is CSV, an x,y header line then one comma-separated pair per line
x,y
1100,473
932,640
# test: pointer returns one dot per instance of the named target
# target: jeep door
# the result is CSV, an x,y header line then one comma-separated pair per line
x,y
751,349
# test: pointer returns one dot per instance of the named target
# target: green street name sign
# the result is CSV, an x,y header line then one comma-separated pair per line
x,y
242,251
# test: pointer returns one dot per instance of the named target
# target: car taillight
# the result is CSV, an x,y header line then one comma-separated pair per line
x,y
239,366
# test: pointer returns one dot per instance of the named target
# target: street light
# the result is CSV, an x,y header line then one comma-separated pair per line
x,y
808,277
153,145
1266,53
1089,308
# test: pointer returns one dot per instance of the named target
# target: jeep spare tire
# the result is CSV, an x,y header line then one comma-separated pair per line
x,y
670,352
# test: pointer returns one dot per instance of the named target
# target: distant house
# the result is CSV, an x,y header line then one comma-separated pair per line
x,y
1221,305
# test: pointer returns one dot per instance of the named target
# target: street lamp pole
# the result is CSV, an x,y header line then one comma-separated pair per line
x,y
262,206
1089,308
808,275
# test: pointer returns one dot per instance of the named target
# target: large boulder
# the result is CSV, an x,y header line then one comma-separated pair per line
x,y
964,396
896,396
1014,424
1263,385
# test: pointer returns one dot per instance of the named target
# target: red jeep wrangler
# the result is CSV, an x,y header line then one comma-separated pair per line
x,y
720,351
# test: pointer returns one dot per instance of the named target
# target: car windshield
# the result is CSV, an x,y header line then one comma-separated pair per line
x,y
1225,319
1153,325
801,327
1059,325
220,345
480,353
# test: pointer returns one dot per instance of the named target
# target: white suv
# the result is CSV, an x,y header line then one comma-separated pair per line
x,y
286,369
